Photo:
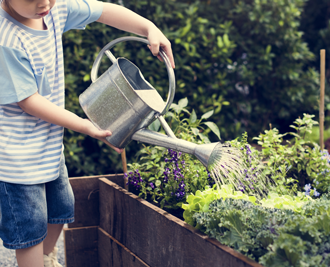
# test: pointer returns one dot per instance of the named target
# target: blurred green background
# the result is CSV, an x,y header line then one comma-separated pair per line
x,y
254,62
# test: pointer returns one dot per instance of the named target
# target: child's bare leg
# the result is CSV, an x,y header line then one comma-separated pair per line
x,y
53,232
30,257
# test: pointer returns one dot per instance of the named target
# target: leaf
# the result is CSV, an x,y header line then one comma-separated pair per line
x,y
155,126
219,42
214,128
183,102
226,40
207,115
195,130
186,29
86,77
193,117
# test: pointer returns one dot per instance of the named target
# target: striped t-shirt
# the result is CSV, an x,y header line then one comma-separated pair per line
x,y
32,61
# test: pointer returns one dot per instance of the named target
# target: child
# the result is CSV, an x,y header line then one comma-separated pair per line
x,y
35,196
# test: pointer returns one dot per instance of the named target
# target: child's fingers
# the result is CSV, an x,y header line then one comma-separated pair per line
x,y
108,133
168,52
118,150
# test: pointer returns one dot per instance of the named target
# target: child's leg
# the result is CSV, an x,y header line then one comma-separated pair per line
x,y
31,256
54,231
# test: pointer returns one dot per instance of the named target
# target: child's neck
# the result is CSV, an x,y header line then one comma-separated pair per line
x,y
37,24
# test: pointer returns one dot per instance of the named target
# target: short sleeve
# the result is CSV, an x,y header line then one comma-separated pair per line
x,y
16,76
82,12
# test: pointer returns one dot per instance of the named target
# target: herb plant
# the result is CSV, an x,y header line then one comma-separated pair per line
x,y
297,162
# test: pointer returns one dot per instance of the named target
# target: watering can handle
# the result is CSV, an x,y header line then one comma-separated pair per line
x,y
170,71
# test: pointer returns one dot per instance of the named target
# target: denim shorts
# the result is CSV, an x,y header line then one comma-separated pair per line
x,y
25,210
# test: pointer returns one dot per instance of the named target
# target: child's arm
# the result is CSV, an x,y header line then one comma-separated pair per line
x,y
38,106
126,20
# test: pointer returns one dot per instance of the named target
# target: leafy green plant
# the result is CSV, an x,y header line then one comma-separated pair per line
x,y
242,225
302,241
200,201
165,176
296,162
186,125
295,203
274,237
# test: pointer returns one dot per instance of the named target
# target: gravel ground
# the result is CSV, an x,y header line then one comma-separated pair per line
x,y
8,258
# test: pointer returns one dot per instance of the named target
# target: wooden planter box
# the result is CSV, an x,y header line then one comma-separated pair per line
x,y
114,227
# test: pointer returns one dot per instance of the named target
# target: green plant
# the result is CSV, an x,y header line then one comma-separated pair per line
x,y
294,203
274,237
186,125
166,176
242,225
200,201
296,162
302,241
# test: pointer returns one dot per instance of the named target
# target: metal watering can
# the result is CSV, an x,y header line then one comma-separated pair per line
x,y
122,101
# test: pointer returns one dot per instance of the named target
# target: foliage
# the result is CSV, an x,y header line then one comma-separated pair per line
x,y
200,201
247,62
274,237
296,162
294,203
186,125
246,227
167,176
302,241
315,23
246,53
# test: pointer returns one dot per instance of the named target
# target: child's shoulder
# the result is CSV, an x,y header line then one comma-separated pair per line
x,y
9,33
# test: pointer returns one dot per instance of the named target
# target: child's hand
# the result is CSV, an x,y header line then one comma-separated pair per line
x,y
157,39
94,132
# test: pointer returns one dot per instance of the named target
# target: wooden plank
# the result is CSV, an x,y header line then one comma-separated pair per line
x,y
157,237
114,254
86,191
81,246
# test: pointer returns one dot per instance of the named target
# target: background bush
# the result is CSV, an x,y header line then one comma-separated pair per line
x,y
249,61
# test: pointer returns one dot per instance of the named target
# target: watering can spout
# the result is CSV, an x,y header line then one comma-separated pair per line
x,y
205,153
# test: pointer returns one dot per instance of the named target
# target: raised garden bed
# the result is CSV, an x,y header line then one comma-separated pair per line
x,y
114,227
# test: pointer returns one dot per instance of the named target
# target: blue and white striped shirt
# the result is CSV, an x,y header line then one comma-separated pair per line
x,y
32,61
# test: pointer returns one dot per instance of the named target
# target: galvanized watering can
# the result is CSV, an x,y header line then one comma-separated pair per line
x,y
122,101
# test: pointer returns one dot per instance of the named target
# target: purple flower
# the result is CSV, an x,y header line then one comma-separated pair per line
x,y
134,178
316,194
307,188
